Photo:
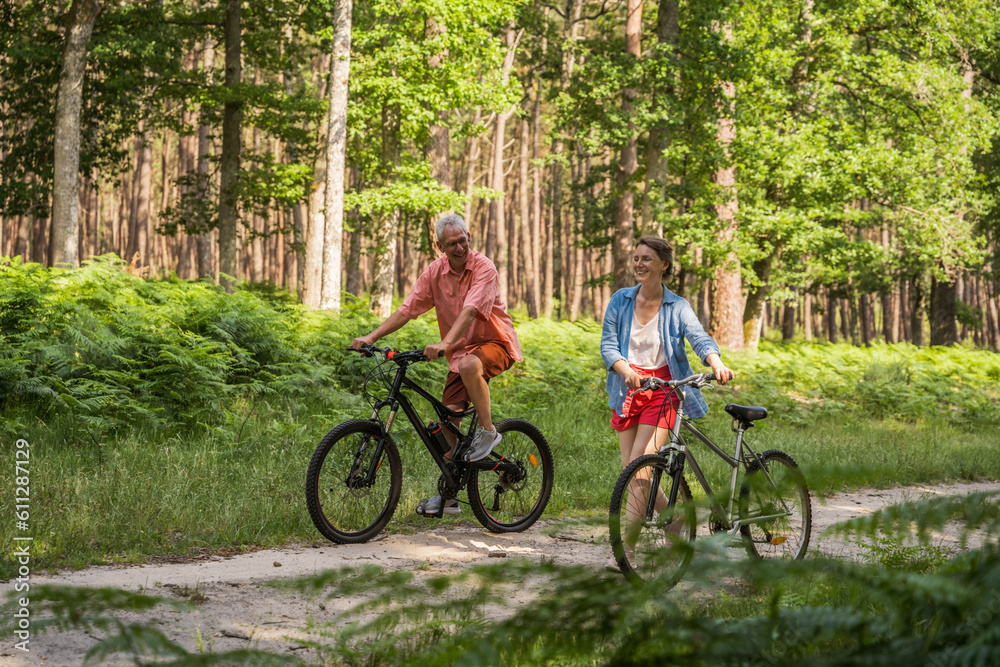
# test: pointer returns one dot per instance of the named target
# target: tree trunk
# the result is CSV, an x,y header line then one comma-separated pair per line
x,y
205,240
439,148
336,156
138,237
831,318
807,316
667,34
229,164
570,36
315,230
528,241
727,293
541,231
64,239
354,263
943,316
623,240
993,317
788,321
753,313
498,220
470,172
867,319
917,290
383,270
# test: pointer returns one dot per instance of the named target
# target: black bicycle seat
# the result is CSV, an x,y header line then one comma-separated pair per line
x,y
746,412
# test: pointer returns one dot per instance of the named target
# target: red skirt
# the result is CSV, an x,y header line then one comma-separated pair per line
x,y
648,407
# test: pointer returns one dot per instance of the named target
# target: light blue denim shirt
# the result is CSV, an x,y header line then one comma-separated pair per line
x,y
677,322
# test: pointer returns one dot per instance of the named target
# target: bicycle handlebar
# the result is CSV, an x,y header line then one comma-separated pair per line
x,y
697,381
390,354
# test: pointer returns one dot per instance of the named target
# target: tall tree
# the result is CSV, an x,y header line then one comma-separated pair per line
x,y
629,162
336,149
667,38
65,237
727,284
229,164
497,215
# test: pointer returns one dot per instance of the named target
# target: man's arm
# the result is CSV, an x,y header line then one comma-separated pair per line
x,y
455,334
393,323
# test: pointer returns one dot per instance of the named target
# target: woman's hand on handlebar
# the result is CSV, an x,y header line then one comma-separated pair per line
x,y
633,380
722,374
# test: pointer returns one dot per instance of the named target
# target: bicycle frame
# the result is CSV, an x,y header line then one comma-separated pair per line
x,y
457,474
677,447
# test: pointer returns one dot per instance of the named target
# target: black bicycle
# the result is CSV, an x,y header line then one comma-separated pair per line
x,y
355,475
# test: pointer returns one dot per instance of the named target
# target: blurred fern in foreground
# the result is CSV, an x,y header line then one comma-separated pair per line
x,y
728,612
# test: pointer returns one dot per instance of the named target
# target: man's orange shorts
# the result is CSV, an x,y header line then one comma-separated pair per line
x,y
495,360
647,407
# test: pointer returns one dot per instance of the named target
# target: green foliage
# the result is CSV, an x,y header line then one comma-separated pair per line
x,y
895,553
132,50
802,381
811,612
117,352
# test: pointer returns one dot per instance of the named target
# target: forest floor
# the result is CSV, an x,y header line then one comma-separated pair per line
x,y
235,609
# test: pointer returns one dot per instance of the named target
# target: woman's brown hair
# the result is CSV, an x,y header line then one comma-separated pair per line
x,y
663,250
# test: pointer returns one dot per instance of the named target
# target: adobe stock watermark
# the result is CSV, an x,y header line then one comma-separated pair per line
x,y
22,543
978,621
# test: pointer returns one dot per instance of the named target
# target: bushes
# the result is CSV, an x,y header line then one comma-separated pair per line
x,y
802,382
112,349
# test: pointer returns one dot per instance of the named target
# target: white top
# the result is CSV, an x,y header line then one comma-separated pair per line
x,y
644,347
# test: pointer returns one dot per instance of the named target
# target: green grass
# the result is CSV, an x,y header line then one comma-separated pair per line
x,y
139,496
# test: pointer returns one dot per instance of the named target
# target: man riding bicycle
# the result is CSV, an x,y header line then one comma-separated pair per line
x,y
477,335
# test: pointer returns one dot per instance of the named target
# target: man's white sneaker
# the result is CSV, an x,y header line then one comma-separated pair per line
x,y
432,506
482,444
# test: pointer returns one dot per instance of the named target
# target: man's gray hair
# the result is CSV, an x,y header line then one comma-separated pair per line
x,y
452,220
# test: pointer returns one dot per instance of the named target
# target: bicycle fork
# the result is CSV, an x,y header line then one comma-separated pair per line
x,y
355,477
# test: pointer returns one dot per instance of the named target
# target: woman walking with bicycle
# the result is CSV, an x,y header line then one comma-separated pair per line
x,y
643,336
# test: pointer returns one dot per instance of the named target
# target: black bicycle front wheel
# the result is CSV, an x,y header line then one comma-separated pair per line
x,y
351,497
775,508
649,538
507,501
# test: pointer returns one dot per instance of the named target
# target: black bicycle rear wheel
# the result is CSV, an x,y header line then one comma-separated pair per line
x,y
775,509
509,502
651,542
345,504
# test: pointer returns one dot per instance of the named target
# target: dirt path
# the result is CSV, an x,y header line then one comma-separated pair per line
x,y
237,611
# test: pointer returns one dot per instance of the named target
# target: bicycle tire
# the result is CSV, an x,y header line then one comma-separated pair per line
x,y
509,504
345,513
662,546
785,536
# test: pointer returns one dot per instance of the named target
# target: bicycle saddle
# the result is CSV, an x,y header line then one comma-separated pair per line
x,y
746,412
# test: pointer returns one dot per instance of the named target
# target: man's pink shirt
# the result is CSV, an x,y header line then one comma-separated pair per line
x,y
442,288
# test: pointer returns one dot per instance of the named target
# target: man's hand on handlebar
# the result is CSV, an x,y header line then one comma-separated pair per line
x,y
358,343
436,350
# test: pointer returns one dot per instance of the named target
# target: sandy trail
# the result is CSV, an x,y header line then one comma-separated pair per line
x,y
237,610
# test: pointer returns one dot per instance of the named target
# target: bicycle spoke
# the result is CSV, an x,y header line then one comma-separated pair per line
x,y
775,508
351,496
649,538
511,497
